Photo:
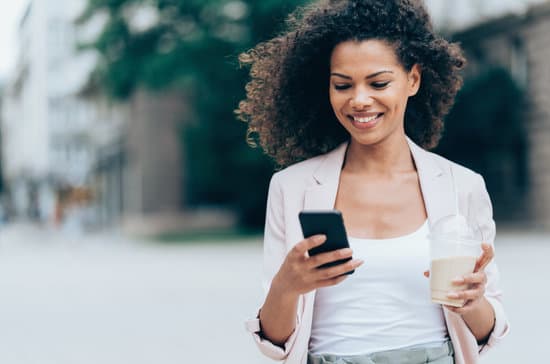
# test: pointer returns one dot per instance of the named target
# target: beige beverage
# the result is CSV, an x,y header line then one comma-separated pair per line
x,y
443,271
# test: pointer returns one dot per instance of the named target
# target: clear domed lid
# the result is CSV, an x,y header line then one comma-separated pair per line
x,y
456,226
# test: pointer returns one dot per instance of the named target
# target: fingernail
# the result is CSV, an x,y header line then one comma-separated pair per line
x,y
458,280
319,238
452,295
359,263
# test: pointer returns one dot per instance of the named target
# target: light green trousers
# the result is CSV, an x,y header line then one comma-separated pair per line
x,y
443,354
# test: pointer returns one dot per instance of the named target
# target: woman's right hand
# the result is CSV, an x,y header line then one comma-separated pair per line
x,y
300,273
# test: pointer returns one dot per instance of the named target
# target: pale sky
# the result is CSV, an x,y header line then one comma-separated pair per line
x,y
457,14
10,14
463,11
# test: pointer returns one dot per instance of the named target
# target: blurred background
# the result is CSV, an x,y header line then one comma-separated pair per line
x,y
131,207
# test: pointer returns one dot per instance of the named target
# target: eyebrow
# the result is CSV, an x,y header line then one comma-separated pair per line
x,y
369,76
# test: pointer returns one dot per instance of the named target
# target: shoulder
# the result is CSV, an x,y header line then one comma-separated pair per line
x,y
461,174
300,172
429,163
468,182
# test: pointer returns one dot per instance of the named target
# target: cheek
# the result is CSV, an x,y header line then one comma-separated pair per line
x,y
331,97
337,101
397,99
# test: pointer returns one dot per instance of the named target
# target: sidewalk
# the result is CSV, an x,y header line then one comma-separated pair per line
x,y
110,300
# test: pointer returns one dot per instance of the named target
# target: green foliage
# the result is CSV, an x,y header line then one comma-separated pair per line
x,y
485,131
2,183
193,45
1,178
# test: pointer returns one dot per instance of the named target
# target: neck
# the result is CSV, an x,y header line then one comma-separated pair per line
x,y
389,156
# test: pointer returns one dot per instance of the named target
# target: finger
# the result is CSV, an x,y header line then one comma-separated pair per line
x,y
328,257
488,251
485,258
467,305
471,279
427,273
468,294
332,282
329,273
453,308
459,310
311,242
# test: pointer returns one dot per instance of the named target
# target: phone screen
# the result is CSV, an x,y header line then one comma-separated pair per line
x,y
329,223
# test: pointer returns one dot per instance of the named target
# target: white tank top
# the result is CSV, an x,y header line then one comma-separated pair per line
x,y
384,305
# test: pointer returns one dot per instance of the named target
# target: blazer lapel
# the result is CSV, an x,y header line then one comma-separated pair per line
x,y
436,184
322,194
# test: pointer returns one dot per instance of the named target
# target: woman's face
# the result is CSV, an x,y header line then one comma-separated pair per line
x,y
369,89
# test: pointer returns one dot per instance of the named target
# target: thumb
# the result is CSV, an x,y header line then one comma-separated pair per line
x,y
309,243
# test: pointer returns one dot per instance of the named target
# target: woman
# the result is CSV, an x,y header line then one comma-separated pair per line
x,y
347,99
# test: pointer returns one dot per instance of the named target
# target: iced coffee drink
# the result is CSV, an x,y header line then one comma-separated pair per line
x,y
454,249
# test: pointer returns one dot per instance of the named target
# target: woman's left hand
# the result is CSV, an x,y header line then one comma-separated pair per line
x,y
475,283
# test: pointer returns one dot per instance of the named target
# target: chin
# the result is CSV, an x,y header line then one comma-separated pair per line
x,y
366,139
375,138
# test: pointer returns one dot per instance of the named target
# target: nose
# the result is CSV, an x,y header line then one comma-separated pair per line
x,y
361,99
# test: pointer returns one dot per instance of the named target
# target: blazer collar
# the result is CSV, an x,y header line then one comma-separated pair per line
x,y
437,189
331,166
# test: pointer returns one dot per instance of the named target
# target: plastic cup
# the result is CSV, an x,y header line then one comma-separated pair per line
x,y
454,249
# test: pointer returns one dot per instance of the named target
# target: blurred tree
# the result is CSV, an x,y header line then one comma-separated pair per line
x,y
485,131
1,178
193,45
1,167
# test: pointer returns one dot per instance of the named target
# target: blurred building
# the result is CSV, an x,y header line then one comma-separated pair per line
x,y
453,15
44,126
520,44
73,156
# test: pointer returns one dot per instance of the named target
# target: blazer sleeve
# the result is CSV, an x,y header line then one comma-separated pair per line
x,y
484,215
274,253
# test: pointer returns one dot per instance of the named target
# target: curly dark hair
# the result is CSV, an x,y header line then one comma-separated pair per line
x,y
287,105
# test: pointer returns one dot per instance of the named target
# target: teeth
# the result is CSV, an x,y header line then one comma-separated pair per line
x,y
365,120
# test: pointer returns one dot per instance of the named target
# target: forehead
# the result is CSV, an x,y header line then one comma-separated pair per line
x,y
367,55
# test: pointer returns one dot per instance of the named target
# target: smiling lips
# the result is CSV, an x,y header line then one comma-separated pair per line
x,y
365,120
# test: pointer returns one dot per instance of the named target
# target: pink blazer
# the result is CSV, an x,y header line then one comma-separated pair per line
x,y
312,184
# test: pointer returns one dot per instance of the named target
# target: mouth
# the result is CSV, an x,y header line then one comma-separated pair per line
x,y
365,121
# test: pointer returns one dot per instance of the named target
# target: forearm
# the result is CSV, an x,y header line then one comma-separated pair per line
x,y
481,320
278,315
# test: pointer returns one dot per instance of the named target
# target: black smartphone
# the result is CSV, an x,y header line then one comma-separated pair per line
x,y
331,224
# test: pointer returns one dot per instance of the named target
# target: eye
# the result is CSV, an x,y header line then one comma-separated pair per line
x,y
342,87
380,85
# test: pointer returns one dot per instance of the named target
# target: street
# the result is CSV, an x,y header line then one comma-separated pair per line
x,y
71,299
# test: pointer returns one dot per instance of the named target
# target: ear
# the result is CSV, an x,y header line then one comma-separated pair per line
x,y
414,77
